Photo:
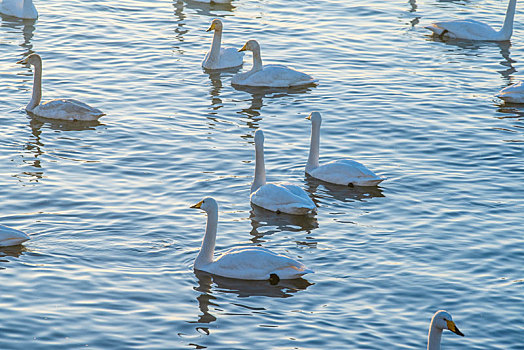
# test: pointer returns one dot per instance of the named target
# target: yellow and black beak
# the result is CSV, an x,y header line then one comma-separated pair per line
x,y
198,205
211,28
23,61
244,48
308,117
452,327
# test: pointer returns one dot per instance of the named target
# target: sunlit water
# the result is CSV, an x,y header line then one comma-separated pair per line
x,y
109,264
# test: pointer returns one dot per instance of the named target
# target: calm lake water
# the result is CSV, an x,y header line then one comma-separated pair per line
x,y
109,263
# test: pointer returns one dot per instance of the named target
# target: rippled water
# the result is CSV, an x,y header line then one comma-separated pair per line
x,y
109,263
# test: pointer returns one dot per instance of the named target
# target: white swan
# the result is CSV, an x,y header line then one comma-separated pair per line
x,y
64,109
10,236
342,172
441,320
272,75
513,93
280,198
249,263
19,8
469,29
218,58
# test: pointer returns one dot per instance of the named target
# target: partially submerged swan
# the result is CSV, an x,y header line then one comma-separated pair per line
x,y
513,93
9,236
63,108
280,198
272,75
441,320
221,58
19,8
341,172
469,29
248,263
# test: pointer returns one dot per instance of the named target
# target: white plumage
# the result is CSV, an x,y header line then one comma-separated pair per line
x,y
272,75
19,8
341,172
441,320
221,58
9,236
63,108
249,263
469,29
285,198
513,93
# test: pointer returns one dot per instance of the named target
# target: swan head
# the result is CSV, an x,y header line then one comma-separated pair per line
x,y
32,59
259,137
315,117
443,320
207,204
250,45
216,24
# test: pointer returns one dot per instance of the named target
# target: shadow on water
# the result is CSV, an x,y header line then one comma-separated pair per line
x,y
215,76
470,48
27,27
258,94
320,189
12,251
209,284
274,223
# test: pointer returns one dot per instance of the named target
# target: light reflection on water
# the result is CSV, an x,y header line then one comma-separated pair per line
x,y
106,204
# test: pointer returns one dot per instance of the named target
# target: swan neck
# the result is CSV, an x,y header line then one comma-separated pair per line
x,y
214,53
207,250
260,168
37,87
28,9
507,28
434,336
257,60
314,148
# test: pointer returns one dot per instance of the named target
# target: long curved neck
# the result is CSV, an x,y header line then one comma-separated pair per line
x,y
434,336
214,53
260,169
208,243
37,87
314,148
257,60
507,28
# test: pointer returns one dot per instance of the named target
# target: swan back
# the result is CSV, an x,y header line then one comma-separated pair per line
x,y
9,236
19,8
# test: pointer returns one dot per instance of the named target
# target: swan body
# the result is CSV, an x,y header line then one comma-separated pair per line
x,y
280,198
214,1
221,58
272,75
249,263
10,236
441,320
474,30
341,172
64,108
513,93
19,8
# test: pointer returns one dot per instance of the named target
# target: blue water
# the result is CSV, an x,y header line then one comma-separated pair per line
x,y
109,263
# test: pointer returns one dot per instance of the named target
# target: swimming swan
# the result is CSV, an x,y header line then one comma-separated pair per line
x,y
19,8
272,75
342,172
248,263
469,29
513,93
63,108
441,320
10,236
218,58
280,198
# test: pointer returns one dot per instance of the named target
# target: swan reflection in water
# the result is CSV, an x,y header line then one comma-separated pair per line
x,y
320,189
27,27
209,284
